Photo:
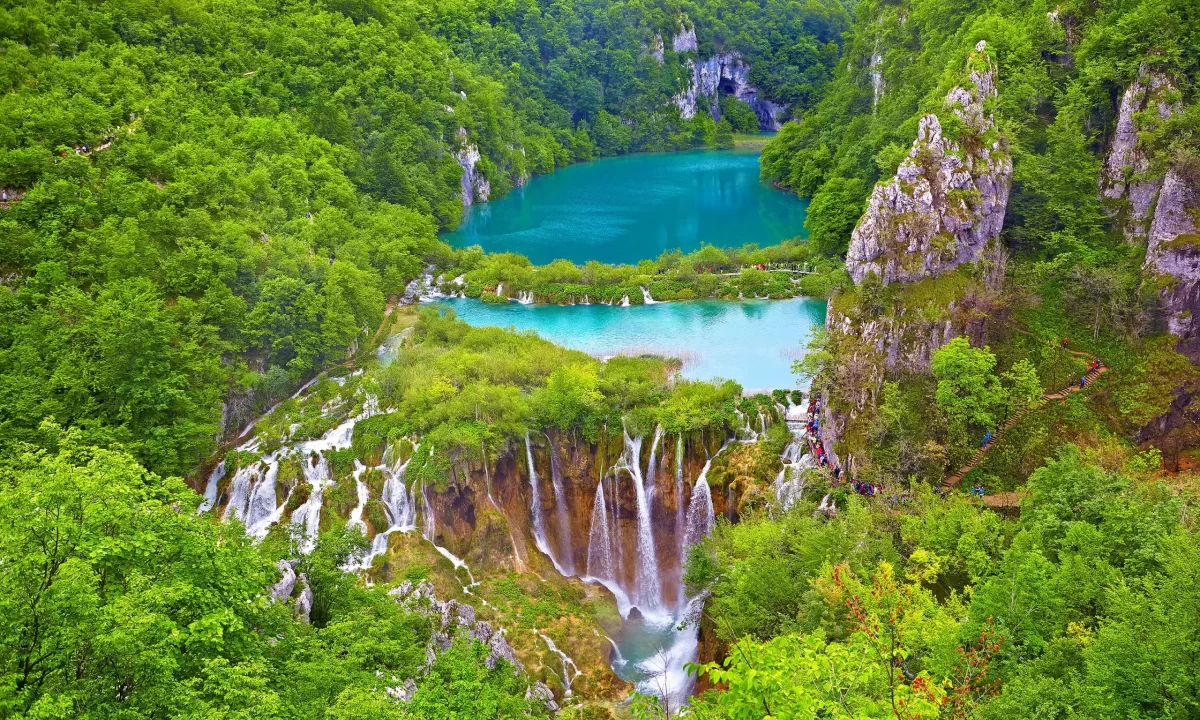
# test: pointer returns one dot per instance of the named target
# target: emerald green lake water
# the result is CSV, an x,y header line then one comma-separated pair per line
x,y
752,342
631,208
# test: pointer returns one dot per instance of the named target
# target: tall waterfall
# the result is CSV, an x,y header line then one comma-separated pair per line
x,y
652,469
601,564
428,521
566,551
539,522
649,584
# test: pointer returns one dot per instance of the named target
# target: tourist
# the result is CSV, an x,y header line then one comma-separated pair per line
x,y
1082,382
1064,342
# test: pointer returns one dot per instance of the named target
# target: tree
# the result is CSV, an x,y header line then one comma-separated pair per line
x,y
968,391
833,213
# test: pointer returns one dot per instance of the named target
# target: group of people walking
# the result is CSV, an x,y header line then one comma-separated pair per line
x,y
813,433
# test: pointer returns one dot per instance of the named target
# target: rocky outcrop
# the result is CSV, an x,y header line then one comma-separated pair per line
x,y
282,591
1173,257
1124,181
475,187
725,74
451,618
948,198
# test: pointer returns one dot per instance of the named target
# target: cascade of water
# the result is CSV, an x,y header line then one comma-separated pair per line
x,y
652,469
239,491
535,506
500,289
262,510
624,301
615,513
525,297
600,563
210,490
646,297
649,584
585,299
679,487
566,551
400,509
308,516
568,665
789,490
700,511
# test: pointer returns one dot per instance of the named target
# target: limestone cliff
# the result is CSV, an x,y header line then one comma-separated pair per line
x,y
725,73
475,187
1125,181
948,198
1173,256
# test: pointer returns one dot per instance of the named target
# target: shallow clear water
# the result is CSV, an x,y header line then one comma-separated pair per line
x,y
630,208
752,342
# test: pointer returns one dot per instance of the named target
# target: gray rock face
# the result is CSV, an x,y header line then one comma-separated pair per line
x,y
725,73
1173,254
948,198
475,187
451,618
304,603
282,590
1123,179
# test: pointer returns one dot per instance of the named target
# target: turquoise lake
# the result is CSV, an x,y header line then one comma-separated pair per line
x,y
752,342
631,208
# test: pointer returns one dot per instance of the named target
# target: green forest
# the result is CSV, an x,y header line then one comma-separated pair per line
x,y
213,215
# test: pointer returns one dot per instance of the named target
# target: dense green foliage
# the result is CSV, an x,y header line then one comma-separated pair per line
x,y
709,272
1083,607
1059,83
117,600
214,200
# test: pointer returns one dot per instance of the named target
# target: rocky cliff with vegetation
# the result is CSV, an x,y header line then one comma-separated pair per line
x,y
947,200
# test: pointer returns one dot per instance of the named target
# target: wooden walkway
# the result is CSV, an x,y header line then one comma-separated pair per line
x,y
1091,376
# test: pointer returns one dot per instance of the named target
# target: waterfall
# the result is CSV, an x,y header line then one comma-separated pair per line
x,y
210,490
646,297
525,297
700,514
560,510
649,584
400,509
603,564
679,487
239,492
624,301
567,664
788,491
262,511
651,470
539,522
600,563
307,517
585,299
500,289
